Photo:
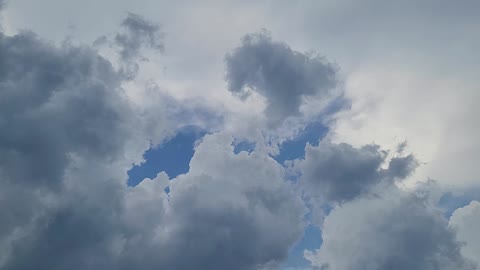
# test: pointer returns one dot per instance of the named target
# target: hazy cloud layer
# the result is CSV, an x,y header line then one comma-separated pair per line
x,y
284,77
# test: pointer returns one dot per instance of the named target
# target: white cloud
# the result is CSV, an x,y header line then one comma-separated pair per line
x,y
389,229
466,221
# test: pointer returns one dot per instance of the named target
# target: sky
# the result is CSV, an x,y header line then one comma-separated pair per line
x,y
243,135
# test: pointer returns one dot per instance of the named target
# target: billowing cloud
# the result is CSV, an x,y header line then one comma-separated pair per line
x,y
67,133
56,102
392,229
284,77
228,212
466,221
68,136
340,172
73,122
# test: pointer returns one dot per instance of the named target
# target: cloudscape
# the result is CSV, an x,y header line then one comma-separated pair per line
x,y
242,135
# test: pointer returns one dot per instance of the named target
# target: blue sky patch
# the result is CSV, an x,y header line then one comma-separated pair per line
x,y
450,202
173,157
312,239
246,146
295,148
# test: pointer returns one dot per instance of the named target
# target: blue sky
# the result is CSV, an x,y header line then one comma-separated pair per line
x,y
172,156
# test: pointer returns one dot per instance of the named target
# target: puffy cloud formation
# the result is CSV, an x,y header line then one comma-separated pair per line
x,y
390,229
56,102
68,134
466,221
228,212
339,172
60,107
284,77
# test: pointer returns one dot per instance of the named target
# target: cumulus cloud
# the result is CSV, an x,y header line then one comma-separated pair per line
x,y
228,212
60,107
340,172
284,77
56,102
391,230
466,221
68,134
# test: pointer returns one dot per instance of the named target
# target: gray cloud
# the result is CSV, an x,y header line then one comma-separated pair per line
x,y
283,76
393,230
67,137
56,102
138,33
340,172
228,212
61,107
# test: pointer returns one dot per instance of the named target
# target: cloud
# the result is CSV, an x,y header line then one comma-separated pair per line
x,y
284,77
68,134
228,212
56,102
390,230
340,172
138,34
466,221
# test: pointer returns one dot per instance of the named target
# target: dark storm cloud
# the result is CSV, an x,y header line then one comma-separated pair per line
x,y
59,106
55,102
392,231
340,172
283,76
